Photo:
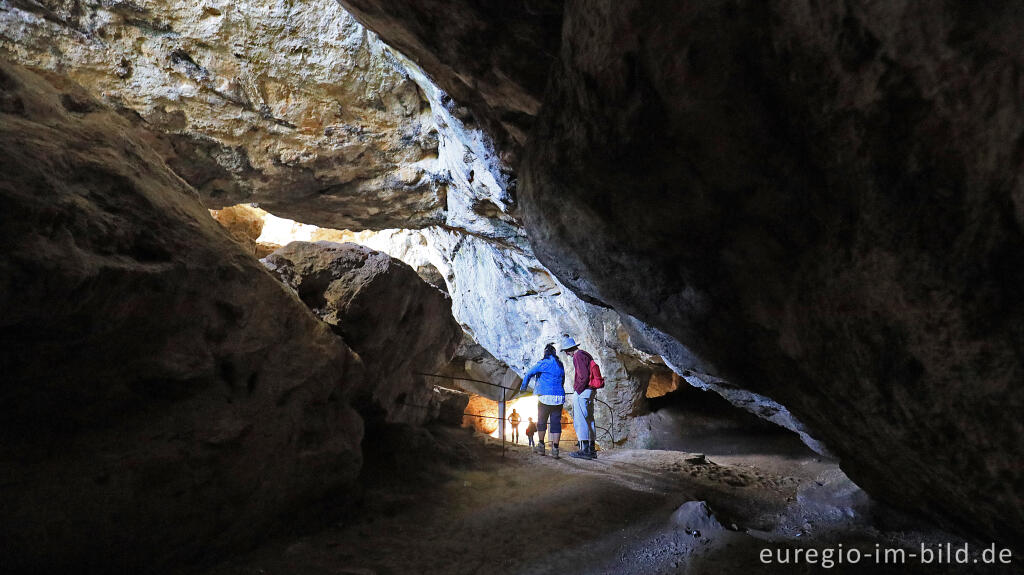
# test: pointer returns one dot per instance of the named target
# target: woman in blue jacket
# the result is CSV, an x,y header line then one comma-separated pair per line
x,y
550,397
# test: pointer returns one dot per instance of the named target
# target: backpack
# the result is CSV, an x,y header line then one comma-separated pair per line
x,y
596,379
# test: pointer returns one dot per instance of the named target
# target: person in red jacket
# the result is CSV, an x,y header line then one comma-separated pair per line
x,y
583,402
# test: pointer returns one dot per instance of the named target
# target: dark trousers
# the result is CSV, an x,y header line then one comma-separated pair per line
x,y
546,413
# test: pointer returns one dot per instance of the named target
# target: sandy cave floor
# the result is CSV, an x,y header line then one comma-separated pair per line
x,y
464,508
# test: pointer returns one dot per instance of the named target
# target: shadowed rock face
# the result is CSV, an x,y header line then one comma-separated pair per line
x,y
162,396
492,57
821,201
400,325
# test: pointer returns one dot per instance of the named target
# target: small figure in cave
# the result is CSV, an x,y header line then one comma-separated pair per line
x,y
550,392
513,420
583,403
531,428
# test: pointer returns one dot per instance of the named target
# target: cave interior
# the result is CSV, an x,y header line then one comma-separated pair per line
x,y
274,271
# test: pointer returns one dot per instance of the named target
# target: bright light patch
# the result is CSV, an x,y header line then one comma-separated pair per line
x,y
282,232
526,407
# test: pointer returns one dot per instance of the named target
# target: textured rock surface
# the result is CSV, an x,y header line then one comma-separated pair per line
x,y
299,109
162,396
399,325
451,405
244,224
688,367
820,200
290,105
481,415
473,364
492,57
663,382
514,306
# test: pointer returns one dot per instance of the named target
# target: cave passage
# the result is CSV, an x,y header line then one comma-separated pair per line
x,y
273,273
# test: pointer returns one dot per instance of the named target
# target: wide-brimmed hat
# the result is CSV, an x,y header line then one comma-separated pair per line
x,y
568,343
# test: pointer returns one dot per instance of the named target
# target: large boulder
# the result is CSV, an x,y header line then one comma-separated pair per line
x,y
401,326
820,201
292,105
511,307
475,370
162,397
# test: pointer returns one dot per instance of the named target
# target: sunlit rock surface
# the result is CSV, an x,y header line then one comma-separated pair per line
x,y
500,295
244,223
292,105
399,325
821,200
481,414
162,396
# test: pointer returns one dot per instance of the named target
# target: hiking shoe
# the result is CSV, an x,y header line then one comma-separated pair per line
x,y
580,454
593,453
554,451
540,448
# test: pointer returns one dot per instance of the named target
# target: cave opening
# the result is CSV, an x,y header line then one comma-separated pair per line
x,y
274,273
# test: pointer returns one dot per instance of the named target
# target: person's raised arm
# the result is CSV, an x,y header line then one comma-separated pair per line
x,y
535,370
526,381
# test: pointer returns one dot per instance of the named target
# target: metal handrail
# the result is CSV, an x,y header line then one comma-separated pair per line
x,y
611,411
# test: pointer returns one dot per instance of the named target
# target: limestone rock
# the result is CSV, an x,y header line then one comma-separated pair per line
x,y
244,223
838,200
695,519
293,106
493,58
481,414
400,326
176,65
301,110
473,364
821,200
694,371
451,405
511,306
663,382
162,398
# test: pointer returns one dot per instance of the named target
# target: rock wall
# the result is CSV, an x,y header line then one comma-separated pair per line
x,y
820,201
481,415
492,58
401,326
501,295
291,105
244,223
297,108
163,398
475,370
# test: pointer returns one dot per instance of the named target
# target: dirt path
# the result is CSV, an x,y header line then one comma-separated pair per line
x,y
523,513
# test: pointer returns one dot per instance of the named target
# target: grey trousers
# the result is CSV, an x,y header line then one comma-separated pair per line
x,y
583,415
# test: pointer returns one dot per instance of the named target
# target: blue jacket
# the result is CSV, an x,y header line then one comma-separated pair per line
x,y
550,377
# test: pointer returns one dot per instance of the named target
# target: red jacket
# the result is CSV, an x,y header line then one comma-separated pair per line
x,y
581,363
